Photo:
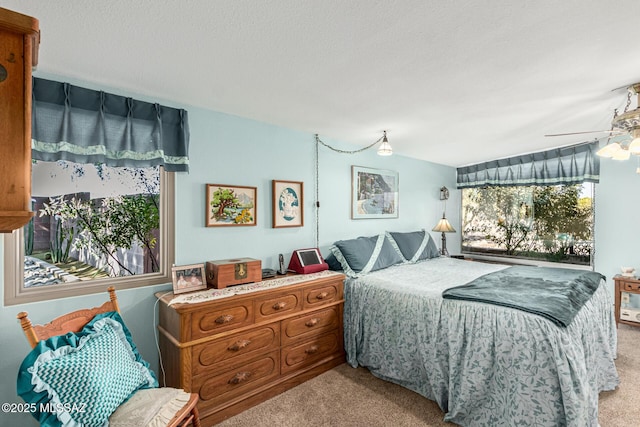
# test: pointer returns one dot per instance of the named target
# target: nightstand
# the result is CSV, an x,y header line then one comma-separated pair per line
x,y
629,285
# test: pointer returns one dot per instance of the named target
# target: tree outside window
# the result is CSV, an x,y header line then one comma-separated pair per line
x,y
550,223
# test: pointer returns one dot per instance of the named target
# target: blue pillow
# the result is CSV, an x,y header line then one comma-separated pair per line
x,y
415,245
332,262
365,254
85,376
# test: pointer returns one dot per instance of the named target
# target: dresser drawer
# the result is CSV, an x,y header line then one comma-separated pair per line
x,y
205,323
240,378
310,324
278,304
322,294
308,352
206,357
630,286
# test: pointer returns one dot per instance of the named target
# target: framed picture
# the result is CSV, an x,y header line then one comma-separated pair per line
x,y
288,205
187,278
374,193
230,205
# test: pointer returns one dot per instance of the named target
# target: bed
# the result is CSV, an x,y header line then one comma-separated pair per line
x,y
484,364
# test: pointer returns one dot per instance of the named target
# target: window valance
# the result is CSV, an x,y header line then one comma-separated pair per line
x,y
88,126
566,165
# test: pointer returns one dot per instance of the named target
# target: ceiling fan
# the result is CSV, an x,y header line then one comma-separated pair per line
x,y
624,123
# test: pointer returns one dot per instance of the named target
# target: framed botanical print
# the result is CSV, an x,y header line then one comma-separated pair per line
x,y
288,207
187,278
374,193
230,205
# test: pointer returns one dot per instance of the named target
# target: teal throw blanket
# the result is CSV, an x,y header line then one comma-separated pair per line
x,y
554,293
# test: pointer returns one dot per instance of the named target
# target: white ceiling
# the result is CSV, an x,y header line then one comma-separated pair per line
x,y
453,82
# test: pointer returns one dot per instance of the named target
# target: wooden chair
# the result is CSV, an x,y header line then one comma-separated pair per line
x,y
74,322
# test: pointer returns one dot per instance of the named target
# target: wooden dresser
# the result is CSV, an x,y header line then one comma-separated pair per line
x,y
243,349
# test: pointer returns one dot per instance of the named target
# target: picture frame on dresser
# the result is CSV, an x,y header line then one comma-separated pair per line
x,y
230,205
188,278
374,193
287,203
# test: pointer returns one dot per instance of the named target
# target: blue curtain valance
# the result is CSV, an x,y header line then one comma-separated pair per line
x,y
88,126
566,165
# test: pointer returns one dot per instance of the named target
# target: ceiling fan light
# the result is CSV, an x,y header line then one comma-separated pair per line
x,y
634,147
621,155
609,150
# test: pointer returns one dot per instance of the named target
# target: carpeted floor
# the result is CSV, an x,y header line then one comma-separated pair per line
x,y
347,397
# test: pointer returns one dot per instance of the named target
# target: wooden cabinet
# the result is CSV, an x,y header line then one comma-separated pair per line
x,y
19,41
243,349
629,285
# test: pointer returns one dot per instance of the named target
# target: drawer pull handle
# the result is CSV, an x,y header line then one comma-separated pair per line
x,y
312,349
240,377
279,305
225,318
322,295
312,322
239,345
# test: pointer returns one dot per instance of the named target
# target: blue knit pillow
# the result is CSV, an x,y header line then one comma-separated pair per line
x,y
89,381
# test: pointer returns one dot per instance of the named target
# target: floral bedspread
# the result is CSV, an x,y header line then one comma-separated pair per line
x,y
484,365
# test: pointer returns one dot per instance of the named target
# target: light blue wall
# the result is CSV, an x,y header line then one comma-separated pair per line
x,y
227,149
618,219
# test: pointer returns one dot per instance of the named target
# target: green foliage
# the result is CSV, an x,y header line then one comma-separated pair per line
x,y
223,202
117,222
559,210
502,214
521,219
64,229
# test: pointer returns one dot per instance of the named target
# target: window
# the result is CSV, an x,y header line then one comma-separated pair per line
x,y
542,223
94,226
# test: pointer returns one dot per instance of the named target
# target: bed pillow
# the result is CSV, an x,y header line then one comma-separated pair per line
x,y
332,262
365,254
85,376
415,245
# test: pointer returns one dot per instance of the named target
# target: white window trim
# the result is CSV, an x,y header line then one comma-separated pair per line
x,y
15,293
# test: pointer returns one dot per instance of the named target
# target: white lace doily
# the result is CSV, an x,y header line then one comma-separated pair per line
x,y
213,294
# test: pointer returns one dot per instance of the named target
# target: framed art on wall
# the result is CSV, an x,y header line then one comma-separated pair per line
x,y
230,205
187,278
374,193
288,207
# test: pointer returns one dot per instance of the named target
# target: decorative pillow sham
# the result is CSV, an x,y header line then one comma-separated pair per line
x,y
80,379
365,254
415,245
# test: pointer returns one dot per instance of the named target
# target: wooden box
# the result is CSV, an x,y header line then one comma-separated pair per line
x,y
227,272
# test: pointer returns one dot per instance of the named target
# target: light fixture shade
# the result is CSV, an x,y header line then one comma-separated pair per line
x,y
443,226
609,150
385,148
634,147
621,155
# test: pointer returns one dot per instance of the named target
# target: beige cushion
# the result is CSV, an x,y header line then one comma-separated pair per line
x,y
153,407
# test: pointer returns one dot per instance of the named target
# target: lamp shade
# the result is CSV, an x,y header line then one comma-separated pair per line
x,y
609,150
634,147
385,148
443,226
621,155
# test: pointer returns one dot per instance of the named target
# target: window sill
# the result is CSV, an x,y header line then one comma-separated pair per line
x,y
519,261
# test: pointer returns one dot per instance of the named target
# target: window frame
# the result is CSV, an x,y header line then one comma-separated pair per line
x,y
15,292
